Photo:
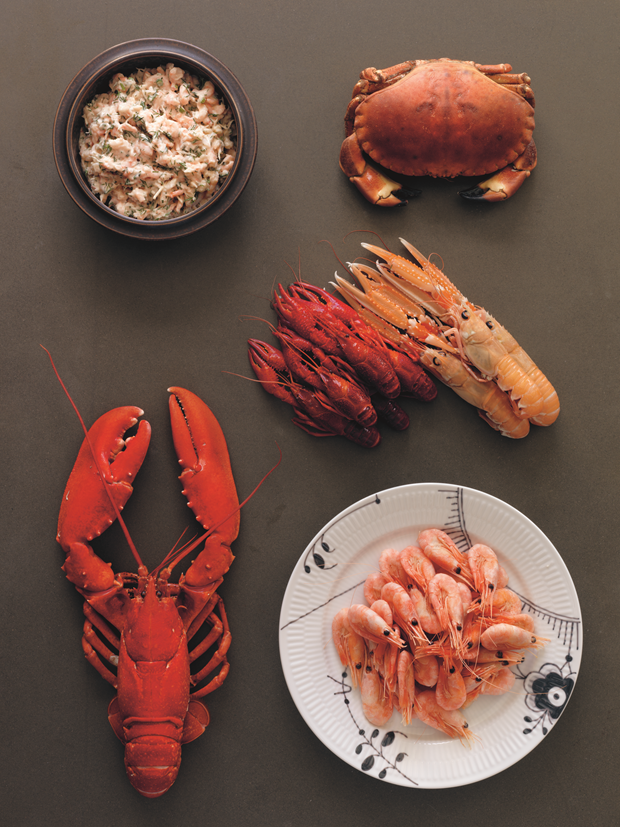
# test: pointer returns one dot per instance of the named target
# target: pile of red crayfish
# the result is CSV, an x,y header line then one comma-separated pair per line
x,y
338,373
439,629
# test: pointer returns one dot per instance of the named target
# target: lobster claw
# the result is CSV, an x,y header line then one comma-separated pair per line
x,y
86,510
208,483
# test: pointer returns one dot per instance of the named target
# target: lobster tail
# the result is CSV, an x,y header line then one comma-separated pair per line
x,y
152,764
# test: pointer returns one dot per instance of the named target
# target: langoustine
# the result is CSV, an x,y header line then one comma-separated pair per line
x,y
456,639
413,303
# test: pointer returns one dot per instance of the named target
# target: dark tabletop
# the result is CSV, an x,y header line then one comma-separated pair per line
x,y
126,319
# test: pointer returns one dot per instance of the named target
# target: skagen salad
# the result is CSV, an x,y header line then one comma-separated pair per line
x,y
158,145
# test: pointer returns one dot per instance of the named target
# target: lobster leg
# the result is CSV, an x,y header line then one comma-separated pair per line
x,y
86,509
210,489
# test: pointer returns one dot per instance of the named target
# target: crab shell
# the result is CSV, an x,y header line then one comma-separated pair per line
x,y
443,119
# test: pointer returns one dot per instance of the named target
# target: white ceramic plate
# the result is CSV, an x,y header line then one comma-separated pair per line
x,y
330,574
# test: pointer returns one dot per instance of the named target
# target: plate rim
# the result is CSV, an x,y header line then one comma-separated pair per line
x,y
285,621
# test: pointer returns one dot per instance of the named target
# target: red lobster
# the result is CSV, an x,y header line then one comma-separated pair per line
x,y
147,619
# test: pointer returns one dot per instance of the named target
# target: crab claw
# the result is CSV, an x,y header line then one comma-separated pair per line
x,y
505,182
208,483
374,186
86,510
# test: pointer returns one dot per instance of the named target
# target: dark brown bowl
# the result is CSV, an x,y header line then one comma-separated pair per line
x,y
94,78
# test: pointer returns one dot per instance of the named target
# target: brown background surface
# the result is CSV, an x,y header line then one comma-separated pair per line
x,y
125,320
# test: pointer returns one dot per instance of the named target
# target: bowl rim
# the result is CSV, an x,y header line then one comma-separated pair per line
x,y
79,90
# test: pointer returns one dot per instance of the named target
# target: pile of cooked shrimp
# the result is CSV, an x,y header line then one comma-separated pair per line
x,y
440,628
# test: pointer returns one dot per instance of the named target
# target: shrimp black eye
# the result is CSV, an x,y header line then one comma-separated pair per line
x,y
464,315
452,670
490,325
386,632
436,361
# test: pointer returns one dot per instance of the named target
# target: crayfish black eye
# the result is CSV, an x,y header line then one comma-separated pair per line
x,y
158,594
142,595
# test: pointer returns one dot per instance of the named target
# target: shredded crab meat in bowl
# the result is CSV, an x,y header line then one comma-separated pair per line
x,y
158,145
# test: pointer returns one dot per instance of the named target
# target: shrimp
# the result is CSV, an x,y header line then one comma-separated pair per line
x,y
505,601
485,571
522,620
406,684
384,655
506,636
377,704
426,670
350,645
450,690
446,601
391,567
442,552
404,612
418,568
373,585
500,683
372,626
429,620
451,722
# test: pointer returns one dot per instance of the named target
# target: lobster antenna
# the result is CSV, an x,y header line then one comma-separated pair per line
x,y
184,551
132,547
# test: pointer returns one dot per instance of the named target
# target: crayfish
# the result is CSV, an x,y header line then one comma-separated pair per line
x,y
149,621
336,371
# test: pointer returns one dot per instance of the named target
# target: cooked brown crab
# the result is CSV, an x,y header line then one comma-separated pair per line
x,y
441,118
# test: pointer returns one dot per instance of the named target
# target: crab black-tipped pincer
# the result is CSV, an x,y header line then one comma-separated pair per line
x,y
405,194
473,194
